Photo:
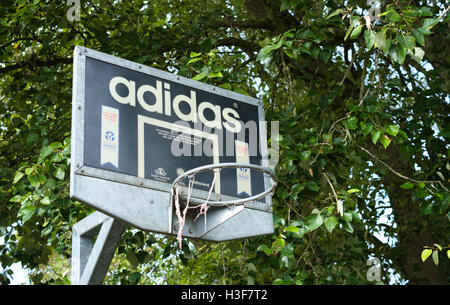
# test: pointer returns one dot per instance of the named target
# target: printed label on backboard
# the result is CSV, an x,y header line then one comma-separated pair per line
x,y
110,136
243,174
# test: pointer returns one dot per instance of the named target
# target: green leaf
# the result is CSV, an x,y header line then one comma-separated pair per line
x,y
55,145
350,29
226,86
47,230
298,188
60,173
26,212
215,74
380,40
41,178
398,54
351,191
285,257
353,23
17,177
426,209
29,170
262,54
348,227
438,246
336,12
425,254
194,54
330,223
284,5
356,31
45,151
279,243
305,154
351,122
16,198
46,201
262,247
417,55
392,129
324,55
278,282
394,16
435,257
385,141
407,185
426,11
366,129
419,37
315,53
448,254
429,23
207,45
375,136
293,229
355,216
194,60
132,258
199,76
312,186
347,217
424,31
315,221
369,37
407,42
33,179
289,52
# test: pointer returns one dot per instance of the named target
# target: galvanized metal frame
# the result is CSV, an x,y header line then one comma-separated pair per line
x,y
91,259
78,167
144,202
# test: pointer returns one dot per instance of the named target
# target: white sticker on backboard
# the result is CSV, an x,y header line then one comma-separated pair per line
x,y
110,136
243,174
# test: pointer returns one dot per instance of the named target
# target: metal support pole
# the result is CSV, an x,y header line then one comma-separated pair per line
x,y
91,260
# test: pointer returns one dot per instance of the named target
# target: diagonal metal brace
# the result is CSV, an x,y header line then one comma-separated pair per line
x,y
91,260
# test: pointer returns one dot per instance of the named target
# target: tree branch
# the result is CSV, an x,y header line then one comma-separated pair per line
x,y
397,173
37,63
17,40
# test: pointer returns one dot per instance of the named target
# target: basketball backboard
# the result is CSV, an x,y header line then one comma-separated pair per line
x,y
135,129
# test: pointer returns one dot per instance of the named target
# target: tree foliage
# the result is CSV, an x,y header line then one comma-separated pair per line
x,y
363,107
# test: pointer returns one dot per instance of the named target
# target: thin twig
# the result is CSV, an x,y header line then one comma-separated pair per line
x,y
243,256
346,116
304,252
338,202
399,174
349,67
223,264
444,13
363,77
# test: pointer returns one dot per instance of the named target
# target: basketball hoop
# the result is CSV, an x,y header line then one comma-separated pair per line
x,y
217,167
205,204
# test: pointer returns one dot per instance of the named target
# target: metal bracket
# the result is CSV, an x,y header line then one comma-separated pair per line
x,y
91,260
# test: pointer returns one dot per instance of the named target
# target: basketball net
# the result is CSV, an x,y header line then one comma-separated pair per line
x,y
203,207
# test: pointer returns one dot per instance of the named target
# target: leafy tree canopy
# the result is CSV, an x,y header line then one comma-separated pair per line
x,y
361,92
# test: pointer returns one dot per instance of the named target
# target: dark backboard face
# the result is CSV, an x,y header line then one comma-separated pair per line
x,y
157,138
136,129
